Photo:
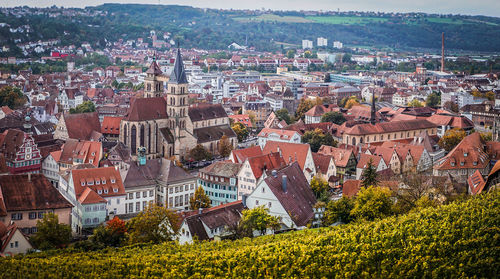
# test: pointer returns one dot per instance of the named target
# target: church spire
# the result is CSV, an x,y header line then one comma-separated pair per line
x,y
373,116
178,75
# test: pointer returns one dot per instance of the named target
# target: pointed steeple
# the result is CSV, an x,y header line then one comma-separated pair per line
x,y
178,75
154,68
373,118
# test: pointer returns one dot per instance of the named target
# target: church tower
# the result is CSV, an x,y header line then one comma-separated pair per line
x,y
153,86
373,112
177,102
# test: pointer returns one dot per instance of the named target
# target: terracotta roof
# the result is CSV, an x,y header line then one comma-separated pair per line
x,y
453,121
111,125
261,163
350,188
389,127
154,69
319,110
298,199
89,196
105,180
20,193
291,152
83,152
340,156
81,125
225,169
321,162
365,158
142,109
476,183
283,134
385,153
468,154
240,155
198,112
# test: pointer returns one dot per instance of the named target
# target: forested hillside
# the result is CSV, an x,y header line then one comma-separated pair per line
x,y
456,240
216,29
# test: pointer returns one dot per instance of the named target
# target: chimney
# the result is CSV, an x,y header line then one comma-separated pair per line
x,y
442,52
283,183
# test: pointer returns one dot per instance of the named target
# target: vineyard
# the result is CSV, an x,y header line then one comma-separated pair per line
x,y
457,240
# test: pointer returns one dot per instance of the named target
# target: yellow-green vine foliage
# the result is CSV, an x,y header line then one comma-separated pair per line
x,y
457,240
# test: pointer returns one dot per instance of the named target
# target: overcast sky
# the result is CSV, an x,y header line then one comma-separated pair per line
x,y
469,7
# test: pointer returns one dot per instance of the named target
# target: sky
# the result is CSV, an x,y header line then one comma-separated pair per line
x,y
466,7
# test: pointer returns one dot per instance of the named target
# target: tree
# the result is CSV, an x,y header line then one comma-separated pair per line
x,y
87,106
115,84
252,116
199,153
291,53
449,105
372,203
320,188
351,102
432,100
112,234
451,138
225,146
240,130
283,114
490,95
333,117
346,58
50,234
327,78
486,136
258,219
199,199
415,103
369,175
155,224
338,211
303,107
12,97
317,138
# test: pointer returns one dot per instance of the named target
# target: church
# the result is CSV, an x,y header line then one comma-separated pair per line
x,y
163,124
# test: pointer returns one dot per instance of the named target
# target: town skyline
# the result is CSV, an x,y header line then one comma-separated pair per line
x,y
484,7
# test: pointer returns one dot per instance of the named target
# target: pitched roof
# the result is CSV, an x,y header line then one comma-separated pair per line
x,y
178,75
81,125
319,110
476,183
111,125
468,154
208,134
351,187
365,158
389,127
142,109
340,156
154,69
321,162
21,193
225,169
86,152
105,180
89,196
261,163
298,199
454,121
198,112
291,152
240,155
283,134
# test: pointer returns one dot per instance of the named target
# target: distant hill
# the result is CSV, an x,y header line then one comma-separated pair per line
x,y
451,241
216,29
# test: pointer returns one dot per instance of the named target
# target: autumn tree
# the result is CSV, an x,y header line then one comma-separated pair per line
x,y
333,117
12,97
369,176
317,138
87,106
304,106
199,199
486,136
415,103
451,138
432,100
351,102
451,106
50,233
320,188
338,211
258,219
111,234
372,203
283,114
240,130
199,153
225,146
154,224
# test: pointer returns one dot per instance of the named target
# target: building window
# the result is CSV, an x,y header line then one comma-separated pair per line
x,y
144,194
131,207
32,215
17,216
130,196
150,193
137,206
144,205
137,195
40,215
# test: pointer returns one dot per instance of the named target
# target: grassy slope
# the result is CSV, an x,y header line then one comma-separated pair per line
x,y
457,240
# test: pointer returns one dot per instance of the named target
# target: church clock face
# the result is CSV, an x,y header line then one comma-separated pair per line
x,y
28,156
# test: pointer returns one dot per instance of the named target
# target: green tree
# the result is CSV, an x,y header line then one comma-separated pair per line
x,y
317,138
225,146
199,199
291,53
87,106
451,138
346,58
283,114
12,97
432,100
199,153
320,188
333,117
50,233
303,107
258,219
240,130
369,176
155,224
338,211
115,84
372,203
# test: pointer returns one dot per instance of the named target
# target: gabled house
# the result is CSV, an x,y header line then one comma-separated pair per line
x,y
220,182
294,152
287,194
325,166
279,135
20,151
80,126
12,240
240,155
363,161
253,168
344,159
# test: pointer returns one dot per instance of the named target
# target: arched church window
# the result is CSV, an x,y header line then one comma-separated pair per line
x,y
133,139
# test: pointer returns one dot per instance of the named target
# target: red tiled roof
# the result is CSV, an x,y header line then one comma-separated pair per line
x,y
269,161
340,156
476,183
290,152
389,127
321,162
468,154
82,125
240,155
111,125
284,134
365,158
453,121
142,109
350,188
90,197
104,176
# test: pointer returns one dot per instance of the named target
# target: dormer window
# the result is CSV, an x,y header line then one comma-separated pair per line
x,y
115,190
452,164
83,183
99,191
465,154
103,181
475,163
97,182
462,163
90,183
105,191
113,180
